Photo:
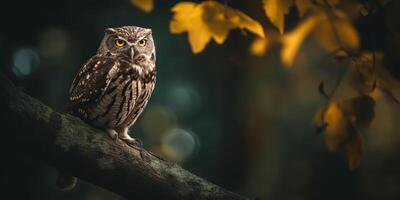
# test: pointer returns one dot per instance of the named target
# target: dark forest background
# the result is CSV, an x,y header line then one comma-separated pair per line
x,y
241,121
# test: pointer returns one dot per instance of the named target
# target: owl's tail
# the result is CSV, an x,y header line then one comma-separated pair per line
x,y
66,182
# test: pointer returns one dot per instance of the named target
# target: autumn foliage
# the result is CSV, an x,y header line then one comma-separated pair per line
x,y
331,24
207,20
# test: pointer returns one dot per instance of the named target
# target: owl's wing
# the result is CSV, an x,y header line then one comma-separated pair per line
x,y
91,81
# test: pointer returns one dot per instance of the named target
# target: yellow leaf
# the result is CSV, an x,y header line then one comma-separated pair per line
x,y
344,119
145,5
209,20
363,74
188,17
293,40
354,8
336,130
303,6
241,20
259,46
368,71
338,32
276,11
319,120
360,110
183,13
334,32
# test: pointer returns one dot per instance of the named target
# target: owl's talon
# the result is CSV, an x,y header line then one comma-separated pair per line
x,y
138,142
132,141
124,136
113,134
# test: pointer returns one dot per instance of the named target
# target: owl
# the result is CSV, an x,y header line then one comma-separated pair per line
x,y
113,87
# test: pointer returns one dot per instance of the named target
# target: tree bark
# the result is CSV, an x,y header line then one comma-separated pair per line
x,y
69,144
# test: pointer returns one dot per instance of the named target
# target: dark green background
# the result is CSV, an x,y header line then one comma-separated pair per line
x,y
247,119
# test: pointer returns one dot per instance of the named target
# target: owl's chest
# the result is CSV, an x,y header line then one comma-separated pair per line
x,y
124,100
144,91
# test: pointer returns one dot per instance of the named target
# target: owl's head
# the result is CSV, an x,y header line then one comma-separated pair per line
x,y
132,42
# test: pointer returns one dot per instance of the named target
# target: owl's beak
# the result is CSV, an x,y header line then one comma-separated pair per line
x,y
132,53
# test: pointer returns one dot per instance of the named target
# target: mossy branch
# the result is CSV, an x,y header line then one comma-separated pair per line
x,y
67,143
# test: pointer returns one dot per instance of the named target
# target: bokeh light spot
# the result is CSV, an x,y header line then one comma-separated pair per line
x,y
25,61
53,43
179,145
157,120
184,99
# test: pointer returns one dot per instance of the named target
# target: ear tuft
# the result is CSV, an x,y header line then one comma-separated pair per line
x,y
147,31
109,31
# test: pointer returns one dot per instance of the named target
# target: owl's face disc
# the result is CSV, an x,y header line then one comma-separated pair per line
x,y
131,42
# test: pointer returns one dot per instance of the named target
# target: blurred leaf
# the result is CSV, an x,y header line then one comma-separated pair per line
x,y
145,5
293,40
303,6
276,10
363,74
318,120
368,72
333,30
207,20
321,90
386,82
341,55
344,119
259,46
336,132
353,8
337,32
360,109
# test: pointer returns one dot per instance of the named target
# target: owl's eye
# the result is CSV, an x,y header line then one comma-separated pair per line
x,y
119,43
142,42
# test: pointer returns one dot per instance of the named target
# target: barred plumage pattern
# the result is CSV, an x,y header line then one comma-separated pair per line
x,y
110,93
112,89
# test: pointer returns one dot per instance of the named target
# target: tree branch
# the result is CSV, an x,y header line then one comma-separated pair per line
x,y
67,143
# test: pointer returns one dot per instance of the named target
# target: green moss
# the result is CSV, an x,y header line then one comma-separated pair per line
x,y
105,163
76,134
